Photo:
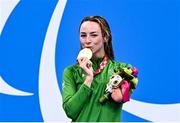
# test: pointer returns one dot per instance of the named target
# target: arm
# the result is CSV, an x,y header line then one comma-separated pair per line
x,y
73,100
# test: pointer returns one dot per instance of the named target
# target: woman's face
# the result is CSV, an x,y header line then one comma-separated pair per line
x,y
91,37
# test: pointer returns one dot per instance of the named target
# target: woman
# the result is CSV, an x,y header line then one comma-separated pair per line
x,y
84,83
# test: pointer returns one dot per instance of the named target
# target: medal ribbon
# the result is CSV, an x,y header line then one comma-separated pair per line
x,y
102,66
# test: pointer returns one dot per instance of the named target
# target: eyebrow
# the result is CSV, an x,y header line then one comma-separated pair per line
x,y
90,32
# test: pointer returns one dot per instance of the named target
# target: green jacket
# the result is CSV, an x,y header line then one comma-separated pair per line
x,y
81,103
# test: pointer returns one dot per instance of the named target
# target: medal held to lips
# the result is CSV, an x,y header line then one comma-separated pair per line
x,y
86,52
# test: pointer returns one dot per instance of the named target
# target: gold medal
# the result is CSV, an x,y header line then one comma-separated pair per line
x,y
86,52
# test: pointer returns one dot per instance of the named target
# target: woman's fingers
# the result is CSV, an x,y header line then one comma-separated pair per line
x,y
86,65
116,95
84,62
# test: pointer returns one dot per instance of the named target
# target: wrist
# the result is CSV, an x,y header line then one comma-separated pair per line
x,y
88,80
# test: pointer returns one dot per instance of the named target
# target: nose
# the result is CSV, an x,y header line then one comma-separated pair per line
x,y
88,40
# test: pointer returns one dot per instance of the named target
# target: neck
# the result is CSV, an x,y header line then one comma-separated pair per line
x,y
98,56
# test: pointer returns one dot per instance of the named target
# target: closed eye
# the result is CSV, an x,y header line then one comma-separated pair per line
x,y
83,35
94,35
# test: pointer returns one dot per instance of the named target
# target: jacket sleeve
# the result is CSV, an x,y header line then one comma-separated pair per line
x,y
73,99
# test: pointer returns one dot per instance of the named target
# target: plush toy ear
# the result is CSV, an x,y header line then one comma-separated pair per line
x,y
125,88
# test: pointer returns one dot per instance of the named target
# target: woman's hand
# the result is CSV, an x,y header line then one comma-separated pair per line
x,y
117,95
86,65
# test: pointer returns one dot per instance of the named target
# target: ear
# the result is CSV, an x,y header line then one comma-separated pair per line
x,y
105,39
